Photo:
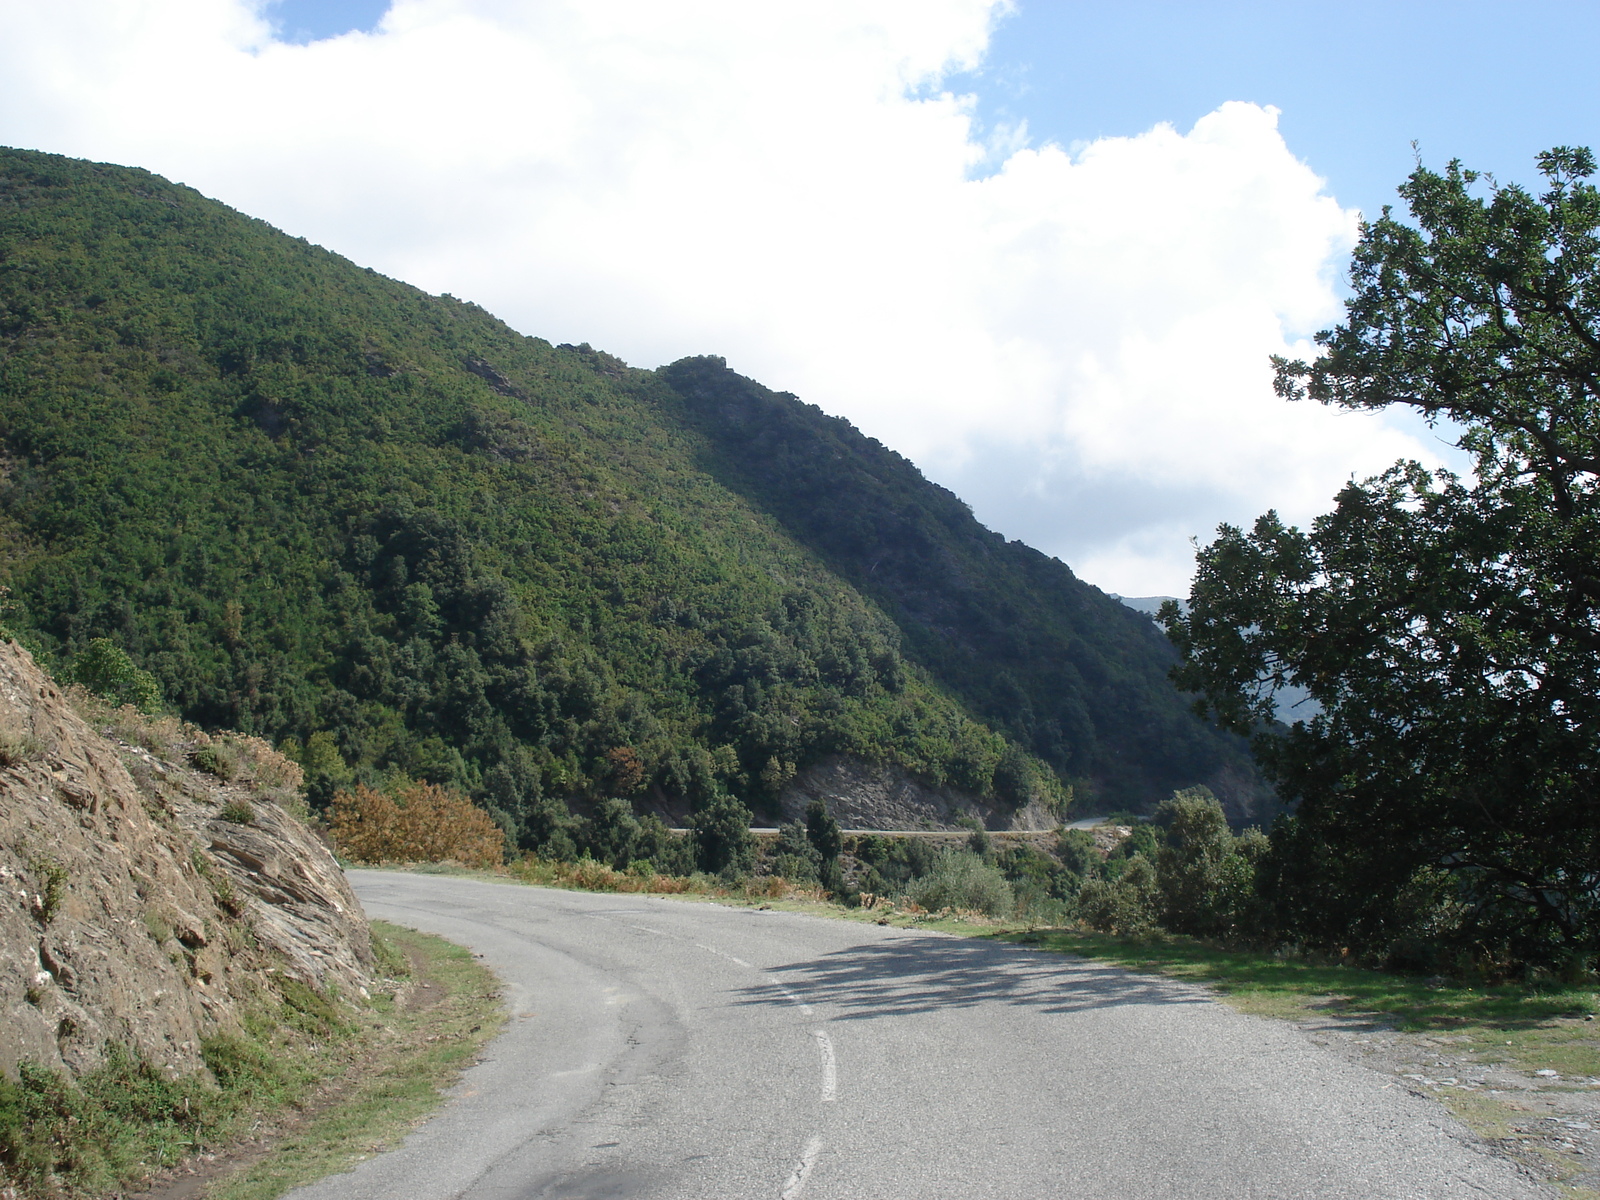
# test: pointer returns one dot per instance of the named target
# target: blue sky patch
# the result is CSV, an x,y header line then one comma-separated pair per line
x,y
304,21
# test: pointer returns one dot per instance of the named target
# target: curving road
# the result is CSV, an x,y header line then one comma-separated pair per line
x,y
685,1051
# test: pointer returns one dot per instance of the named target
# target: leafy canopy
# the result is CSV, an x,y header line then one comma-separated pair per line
x,y
1448,628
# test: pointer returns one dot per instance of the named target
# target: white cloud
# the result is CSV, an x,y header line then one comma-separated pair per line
x,y
1076,342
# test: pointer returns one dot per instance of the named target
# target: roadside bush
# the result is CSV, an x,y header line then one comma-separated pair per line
x,y
892,863
962,880
1076,850
794,857
723,843
1144,839
550,830
610,833
213,759
1125,906
667,853
422,822
1205,875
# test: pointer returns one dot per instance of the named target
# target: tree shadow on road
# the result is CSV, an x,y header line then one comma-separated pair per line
x,y
936,974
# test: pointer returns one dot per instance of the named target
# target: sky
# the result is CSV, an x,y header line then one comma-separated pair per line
x,y
1045,250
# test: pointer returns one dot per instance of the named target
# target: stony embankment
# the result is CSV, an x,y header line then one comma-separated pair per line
x,y
154,883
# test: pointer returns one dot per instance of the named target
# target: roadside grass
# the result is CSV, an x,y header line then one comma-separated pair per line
x,y
397,1068
1292,986
326,1074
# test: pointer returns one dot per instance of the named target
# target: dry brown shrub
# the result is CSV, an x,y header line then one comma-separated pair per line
x,y
258,761
422,823
163,735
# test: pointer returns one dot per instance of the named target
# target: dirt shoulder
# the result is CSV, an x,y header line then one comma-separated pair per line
x,y
415,1041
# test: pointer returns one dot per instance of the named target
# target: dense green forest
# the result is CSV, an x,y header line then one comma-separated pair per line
x,y
386,530
1070,673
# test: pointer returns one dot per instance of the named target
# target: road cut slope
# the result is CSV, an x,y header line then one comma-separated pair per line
x,y
674,1050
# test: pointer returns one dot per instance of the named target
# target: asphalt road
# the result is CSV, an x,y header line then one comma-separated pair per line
x,y
675,1050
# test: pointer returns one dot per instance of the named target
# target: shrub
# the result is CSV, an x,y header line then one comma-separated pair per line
x,y
795,856
213,760
52,888
667,853
1125,906
822,831
422,822
17,747
237,812
105,669
610,834
894,862
548,828
1205,875
723,843
255,759
962,880
1076,850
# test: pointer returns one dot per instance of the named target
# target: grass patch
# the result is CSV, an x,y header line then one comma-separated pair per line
x,y
404,1057
336,1080
1270,985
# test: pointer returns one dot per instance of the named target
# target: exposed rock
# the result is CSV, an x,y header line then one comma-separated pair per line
x,y
131,911
861,795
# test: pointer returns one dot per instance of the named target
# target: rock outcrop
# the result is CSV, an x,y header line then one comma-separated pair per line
x,y
144,901
861,795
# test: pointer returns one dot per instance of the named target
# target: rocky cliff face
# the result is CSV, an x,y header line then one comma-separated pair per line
x,y
861,795
146,901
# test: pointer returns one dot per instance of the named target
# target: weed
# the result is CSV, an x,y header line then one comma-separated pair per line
x,y
309,1010
214,759
17,748
157,927
392,961
53,888
222,889
237,812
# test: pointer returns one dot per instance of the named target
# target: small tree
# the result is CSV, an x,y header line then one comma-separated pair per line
x,y
823,832
1076,850
610,834
723,843
1126,906
105,669
795,857
1205,875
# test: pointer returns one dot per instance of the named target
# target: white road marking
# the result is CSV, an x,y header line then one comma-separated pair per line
x,y
830,1066
724,954
802,1170
793,999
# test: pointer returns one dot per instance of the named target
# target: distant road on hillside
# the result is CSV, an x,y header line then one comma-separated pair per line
x,y
689,1051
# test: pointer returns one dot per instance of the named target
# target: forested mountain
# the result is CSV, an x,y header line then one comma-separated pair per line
x,y
1069,672
324,506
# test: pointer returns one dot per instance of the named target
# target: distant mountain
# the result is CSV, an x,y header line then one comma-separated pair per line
x,y
381,526
1148,604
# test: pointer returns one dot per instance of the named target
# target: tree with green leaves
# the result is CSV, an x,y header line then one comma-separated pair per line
x,y
105,669
1447,628
723,843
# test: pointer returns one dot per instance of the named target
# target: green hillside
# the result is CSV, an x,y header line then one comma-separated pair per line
x,y
1071,673
319,504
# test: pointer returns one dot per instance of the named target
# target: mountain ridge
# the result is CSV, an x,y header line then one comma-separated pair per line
x,y
384,529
